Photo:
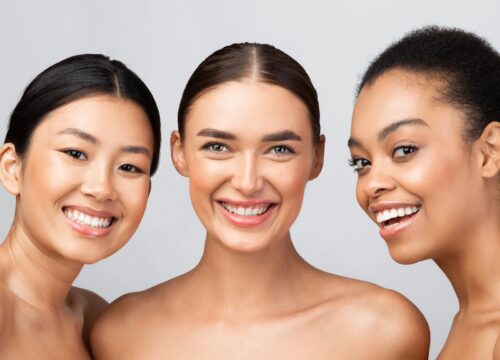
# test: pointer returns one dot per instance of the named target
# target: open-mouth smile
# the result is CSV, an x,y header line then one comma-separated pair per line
x,y
96,224
396,215
246,213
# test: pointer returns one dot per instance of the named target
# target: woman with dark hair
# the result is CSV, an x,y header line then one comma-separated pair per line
x,y
81,146
425,142
249,141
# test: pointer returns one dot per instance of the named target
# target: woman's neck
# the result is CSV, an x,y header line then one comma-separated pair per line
x,y
474,271
36,277
250,285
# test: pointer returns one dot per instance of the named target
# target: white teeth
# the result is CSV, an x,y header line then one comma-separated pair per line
x,y
388,214
249,211
84,219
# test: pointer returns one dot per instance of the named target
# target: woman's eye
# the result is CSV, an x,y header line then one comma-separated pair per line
x,y
403,151
131,168
76,154
281,150
359,163
215,147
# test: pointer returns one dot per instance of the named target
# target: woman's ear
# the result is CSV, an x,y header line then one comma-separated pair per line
x,y
10,168
489,146
177,153
319,156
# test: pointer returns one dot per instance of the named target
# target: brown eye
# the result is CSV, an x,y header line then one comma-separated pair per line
x,y
402,151
76,154
130,168
359,163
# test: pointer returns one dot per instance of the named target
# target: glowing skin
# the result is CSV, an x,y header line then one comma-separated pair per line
x,y
227,163
248,153
81,191
433,195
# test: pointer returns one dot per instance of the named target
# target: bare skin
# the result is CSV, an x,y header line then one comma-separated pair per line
x,y
409,150
59,319
74,164
252,295
289,310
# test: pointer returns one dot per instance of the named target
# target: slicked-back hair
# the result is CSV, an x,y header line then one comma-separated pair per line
x,y
74,78
467,64
251,60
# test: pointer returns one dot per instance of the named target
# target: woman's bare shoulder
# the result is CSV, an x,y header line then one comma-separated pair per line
x,y
92,306
385,321
124,321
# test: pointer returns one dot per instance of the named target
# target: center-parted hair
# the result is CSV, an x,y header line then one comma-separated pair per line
x,y
263,62
74,78
466,64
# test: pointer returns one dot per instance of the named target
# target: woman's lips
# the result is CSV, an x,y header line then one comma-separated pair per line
x,y
89,222
246,213
395,225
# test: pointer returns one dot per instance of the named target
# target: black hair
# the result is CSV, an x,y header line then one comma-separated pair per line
x,y
467,64
74,78
265,62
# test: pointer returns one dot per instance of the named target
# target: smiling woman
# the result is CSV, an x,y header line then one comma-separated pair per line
x,y
249,142
81,146
425,142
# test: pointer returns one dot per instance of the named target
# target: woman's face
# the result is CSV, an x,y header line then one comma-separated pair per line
x,y
248,152
84,181
417,178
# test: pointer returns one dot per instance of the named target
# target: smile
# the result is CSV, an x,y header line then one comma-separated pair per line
x,y
87,220
396,215
246,213
255,210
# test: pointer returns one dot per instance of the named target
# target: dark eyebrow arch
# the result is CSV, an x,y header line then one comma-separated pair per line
x,y
282,136
352,142
136,150
79,133
385,132
218,134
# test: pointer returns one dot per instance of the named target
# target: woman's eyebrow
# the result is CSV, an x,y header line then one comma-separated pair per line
x,y
79,133
282,136
133,149
385,132
218,134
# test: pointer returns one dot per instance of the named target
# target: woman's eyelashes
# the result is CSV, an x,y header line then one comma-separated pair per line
x,y
403,152
131,169
221,148
81,156
75,154
281,150
358,163
400,153
215,147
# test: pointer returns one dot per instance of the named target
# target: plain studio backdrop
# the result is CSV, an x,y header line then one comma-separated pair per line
x,y
163,42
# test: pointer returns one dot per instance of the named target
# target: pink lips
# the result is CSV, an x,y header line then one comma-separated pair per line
x,y
388,232
246,220
88,230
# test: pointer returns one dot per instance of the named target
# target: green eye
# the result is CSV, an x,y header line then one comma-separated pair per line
x,y
281,150
215,147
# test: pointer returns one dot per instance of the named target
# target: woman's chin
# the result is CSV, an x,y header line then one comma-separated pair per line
x,y
405,256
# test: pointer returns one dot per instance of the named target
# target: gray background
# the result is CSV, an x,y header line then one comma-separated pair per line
x,y
163,41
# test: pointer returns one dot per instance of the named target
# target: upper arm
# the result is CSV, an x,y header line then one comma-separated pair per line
x,y
110,334
402,331
93,306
